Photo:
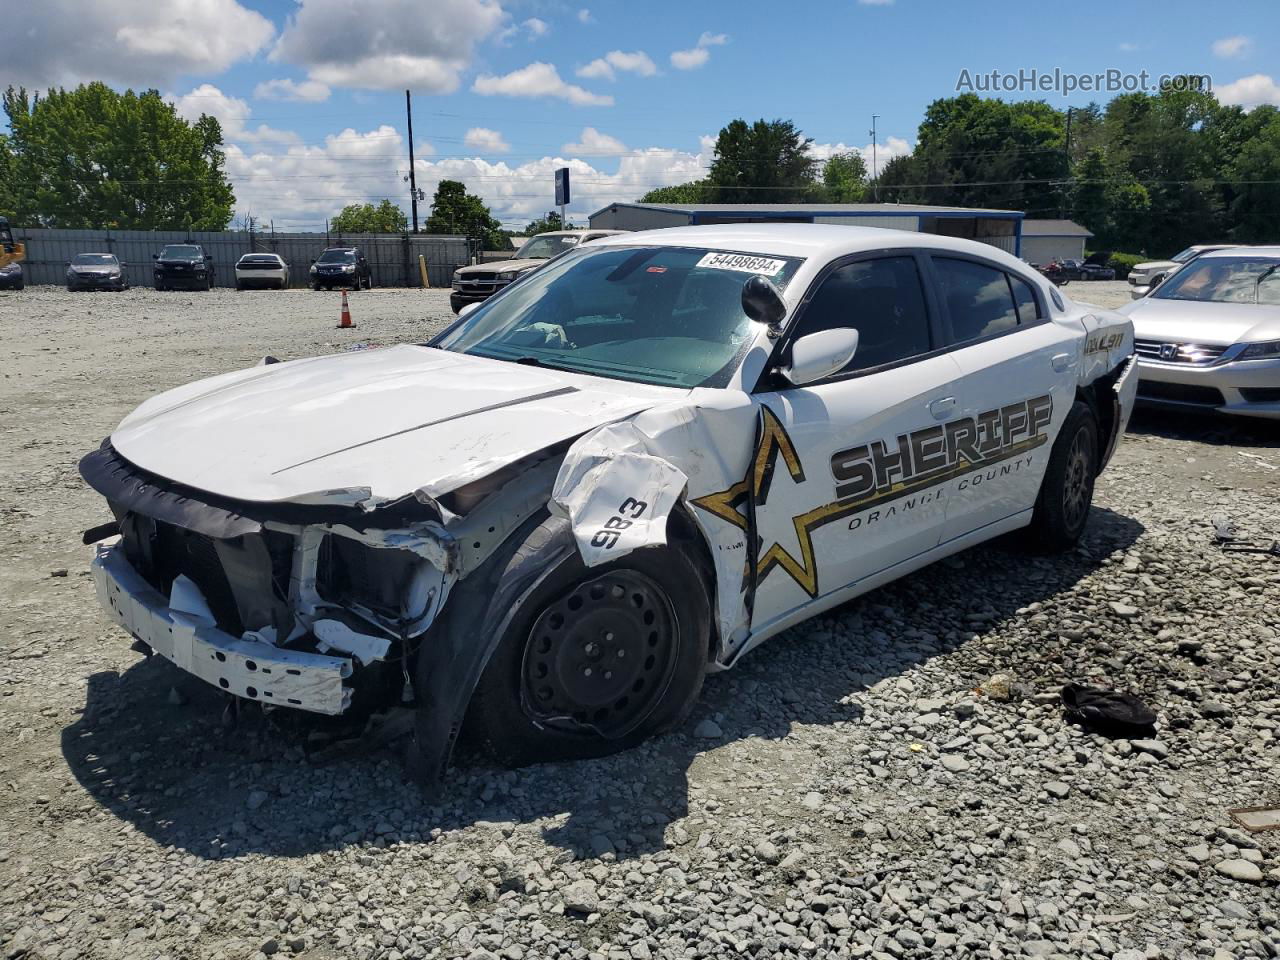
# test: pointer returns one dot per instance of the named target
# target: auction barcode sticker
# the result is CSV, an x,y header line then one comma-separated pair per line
x,y
738,261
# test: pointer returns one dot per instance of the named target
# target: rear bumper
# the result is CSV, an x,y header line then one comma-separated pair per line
x,y
247,668
1247,387
260,278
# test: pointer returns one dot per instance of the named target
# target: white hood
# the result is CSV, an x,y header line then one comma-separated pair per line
x,y
366,427
1189,321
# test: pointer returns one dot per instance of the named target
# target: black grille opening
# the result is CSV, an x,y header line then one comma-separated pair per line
x,y
1260,394
1181,393
176,552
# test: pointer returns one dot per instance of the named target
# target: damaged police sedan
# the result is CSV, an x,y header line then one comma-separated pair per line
x,y
629,468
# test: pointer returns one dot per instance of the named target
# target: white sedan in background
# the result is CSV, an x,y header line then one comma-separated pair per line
x,y
1208,338
629,468
262,270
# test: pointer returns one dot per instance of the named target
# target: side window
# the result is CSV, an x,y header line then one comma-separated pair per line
x,y
977,298
883,299
1028,308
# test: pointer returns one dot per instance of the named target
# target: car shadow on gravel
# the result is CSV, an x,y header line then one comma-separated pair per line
x,y
151,748
1210,428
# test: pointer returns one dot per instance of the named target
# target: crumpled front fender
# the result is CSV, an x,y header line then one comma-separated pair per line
x,y
454,653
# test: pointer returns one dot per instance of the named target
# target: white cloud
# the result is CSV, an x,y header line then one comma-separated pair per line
x,y
1250,91
538,79
697,55
584,16
307,91
301,185
1127,47
387,44
884,152
232,114
593,143
486,140
536,27
1231,48
122,42
637,62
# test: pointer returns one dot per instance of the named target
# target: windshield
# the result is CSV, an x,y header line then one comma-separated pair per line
x,y
1225,280
179,251
94,259
662,315
546,247
337,256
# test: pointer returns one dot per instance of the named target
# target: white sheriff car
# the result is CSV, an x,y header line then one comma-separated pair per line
x,y
629,467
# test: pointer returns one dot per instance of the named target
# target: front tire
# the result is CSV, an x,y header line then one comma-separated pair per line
x,y
1066,493
596,660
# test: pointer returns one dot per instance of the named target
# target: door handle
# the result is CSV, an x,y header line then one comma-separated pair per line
x,y
1062,361
942,407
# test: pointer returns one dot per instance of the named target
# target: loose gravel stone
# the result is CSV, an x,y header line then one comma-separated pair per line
x,y
1241,870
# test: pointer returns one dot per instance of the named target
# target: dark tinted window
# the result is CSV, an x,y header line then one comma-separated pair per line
x,y
1028,307
977,298
883,299
337,256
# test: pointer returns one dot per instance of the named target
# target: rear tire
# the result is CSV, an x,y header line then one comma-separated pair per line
x,y
1066,493
623,646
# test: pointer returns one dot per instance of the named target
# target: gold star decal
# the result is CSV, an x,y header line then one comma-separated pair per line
x,y
726,504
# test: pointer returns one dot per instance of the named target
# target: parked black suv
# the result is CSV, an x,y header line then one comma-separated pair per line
x,y
341,267
183,265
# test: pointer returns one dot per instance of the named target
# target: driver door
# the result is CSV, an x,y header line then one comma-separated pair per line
x,y
850,471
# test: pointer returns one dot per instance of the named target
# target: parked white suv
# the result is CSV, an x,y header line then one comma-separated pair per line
x,y
1146,276
480,281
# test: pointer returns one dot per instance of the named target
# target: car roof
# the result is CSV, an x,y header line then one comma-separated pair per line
x,y
95,253
1242,250
816,240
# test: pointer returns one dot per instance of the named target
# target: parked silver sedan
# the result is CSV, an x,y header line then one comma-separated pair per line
x,y
1209,336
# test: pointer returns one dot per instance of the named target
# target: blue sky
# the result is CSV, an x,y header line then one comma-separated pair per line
x,y
311,93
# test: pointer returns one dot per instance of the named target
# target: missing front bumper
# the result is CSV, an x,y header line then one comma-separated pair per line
x,y
251,669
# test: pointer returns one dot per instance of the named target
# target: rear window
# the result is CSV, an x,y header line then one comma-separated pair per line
x,y
978,299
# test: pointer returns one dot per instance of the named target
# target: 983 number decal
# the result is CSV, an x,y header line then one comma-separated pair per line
x,y
628,512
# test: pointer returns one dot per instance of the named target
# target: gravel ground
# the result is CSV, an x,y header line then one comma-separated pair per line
x,y
846,792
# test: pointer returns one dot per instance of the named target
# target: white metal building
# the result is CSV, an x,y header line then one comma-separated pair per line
x,y
1045,240
1000,228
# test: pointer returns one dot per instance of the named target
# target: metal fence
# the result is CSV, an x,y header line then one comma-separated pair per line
x,y
393,258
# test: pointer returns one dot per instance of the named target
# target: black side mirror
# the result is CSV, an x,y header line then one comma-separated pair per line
x,y
68,263
313,259
155,256
762,302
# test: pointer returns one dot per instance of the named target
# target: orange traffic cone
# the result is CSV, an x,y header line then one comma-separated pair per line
x,y
345,322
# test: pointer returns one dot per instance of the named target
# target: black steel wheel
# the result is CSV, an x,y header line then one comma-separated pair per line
x,y
602,654
1066,493
593,660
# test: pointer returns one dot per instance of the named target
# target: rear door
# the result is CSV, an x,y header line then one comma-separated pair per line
x,y
848,471
1018,373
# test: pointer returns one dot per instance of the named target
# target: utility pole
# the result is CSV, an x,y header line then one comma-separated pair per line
x,y
413,180
1066,173
875,180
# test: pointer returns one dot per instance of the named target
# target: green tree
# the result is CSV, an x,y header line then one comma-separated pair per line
x,y
693,192
551,221
974,152
386,217
844,178
92,157
766,162
454,211
1254,190
1089,201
